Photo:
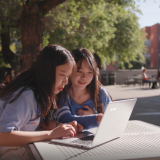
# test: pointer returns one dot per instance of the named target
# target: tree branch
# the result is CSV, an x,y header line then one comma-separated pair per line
x,y
25,6
12,22
47,5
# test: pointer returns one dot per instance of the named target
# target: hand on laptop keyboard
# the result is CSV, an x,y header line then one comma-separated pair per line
x,y
78,127
65,130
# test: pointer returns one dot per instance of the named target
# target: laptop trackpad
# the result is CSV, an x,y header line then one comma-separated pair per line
x,y
78,136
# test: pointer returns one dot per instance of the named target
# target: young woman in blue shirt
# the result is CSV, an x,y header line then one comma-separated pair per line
x,y
86,98
30,96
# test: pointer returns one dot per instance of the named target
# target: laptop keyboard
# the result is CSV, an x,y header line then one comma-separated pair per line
x,y
85,140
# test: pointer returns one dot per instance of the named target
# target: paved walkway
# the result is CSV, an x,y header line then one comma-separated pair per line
x,y
147,107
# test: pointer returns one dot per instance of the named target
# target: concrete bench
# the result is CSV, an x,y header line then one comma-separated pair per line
x,y
137,79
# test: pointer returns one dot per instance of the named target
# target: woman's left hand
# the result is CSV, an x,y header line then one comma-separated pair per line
x,y
82,112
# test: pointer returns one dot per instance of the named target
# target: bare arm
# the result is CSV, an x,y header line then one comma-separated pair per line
x,y
52,125
18,138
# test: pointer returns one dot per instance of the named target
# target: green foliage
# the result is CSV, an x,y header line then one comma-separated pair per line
x,y
80,25
13,47
2,63
110,30
128,44
10,11
45,39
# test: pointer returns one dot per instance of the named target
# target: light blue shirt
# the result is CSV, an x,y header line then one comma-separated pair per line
x,y
19,115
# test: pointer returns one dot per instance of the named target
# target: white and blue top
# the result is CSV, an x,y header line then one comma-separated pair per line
x,y
19,115
68,112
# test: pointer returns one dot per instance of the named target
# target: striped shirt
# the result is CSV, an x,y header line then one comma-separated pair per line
x,y
68,112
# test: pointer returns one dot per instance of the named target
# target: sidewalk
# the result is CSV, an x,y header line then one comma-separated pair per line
x,y
147,107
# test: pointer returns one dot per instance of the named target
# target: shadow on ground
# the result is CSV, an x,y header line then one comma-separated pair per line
x,y
138,88
147,109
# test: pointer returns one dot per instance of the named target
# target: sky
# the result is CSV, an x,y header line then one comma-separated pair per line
x,y
151,12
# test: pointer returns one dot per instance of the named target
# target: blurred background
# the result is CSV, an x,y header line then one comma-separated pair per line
x,y
122,34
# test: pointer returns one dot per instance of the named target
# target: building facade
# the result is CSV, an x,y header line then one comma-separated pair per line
x,y
153,46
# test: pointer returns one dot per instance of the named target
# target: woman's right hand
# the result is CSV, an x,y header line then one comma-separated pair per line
x,y
63,131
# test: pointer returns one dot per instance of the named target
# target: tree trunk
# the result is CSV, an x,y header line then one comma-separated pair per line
x,y
31,38
31,22
9,56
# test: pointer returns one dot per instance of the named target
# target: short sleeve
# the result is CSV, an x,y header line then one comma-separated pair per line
x,y
104,97
17,114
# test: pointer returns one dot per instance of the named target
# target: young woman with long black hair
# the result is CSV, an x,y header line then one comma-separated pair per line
x,y
30,96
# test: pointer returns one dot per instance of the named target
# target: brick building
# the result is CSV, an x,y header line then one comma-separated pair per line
x,y
153,44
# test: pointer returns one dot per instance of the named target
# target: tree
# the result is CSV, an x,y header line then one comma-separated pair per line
x,y
30,15
7,21
128,43
31,18
110,30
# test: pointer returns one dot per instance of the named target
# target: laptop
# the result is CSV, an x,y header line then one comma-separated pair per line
x,y
111,127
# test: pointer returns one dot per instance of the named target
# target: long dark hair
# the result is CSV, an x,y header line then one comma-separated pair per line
x,y
79,55
40,78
